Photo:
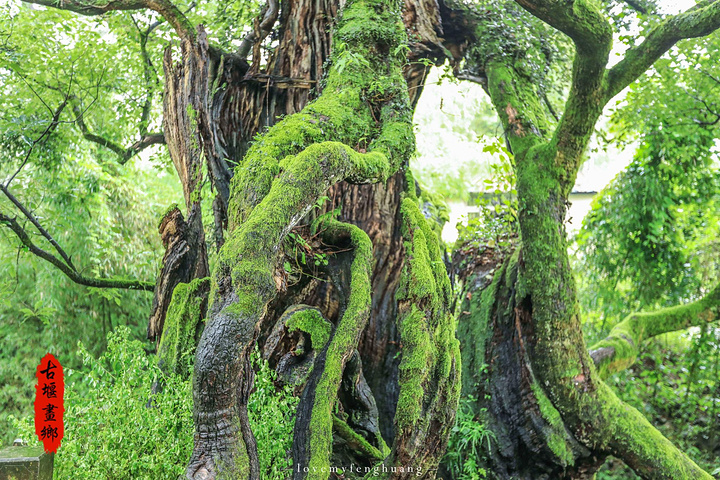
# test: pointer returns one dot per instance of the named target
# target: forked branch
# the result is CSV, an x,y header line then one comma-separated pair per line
x,y
123,153
66,268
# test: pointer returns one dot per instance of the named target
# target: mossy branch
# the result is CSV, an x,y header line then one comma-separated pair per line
x,y
581,20
429,370
317,434
186,311
517,105
591,33
355,440
630,437
698,21
621,347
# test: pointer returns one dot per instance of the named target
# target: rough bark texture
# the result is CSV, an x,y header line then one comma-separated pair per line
x,y
530,440
185,259
189,136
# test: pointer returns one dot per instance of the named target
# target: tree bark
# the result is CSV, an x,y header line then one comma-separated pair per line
x,y
531,441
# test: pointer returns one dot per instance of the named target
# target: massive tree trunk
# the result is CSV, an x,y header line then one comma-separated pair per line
x,y
368,112
533,379
495,330
220,103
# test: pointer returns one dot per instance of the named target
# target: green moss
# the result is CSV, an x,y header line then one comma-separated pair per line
x,y
429,365
313,323
556,434
178,341
518,105
343,342
356,440
626,338
168,210
434,209
475,311
415,364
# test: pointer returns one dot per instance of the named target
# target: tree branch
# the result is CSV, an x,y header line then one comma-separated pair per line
x,y
147,67
165,8
640,6
125,154
47,132
580,20
591,33
622,346
698,21
35,222
69,271
641,446
261,30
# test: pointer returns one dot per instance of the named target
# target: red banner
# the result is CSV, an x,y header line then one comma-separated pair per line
x,y
49,408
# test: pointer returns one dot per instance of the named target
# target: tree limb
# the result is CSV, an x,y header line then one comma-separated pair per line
x,y
147,67
165,8
48,131
640,445
621,347
125,154
591,33
580,20
261,30
698,21
37,224
69,271
642,6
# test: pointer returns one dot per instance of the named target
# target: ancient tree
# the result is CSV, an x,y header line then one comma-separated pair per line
x,y
378,307
304,133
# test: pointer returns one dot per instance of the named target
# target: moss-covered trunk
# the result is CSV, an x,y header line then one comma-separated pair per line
x,y
552,414
371,361
530,440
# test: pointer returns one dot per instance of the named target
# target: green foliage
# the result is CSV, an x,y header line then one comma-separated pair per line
x,y
96,63
648,239
104,215
91,210
449,121
272,417
469,440
508,33
651,237
231,21
110,433
496,224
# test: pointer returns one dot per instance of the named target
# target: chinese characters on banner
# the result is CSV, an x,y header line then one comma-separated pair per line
x,y
49,409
